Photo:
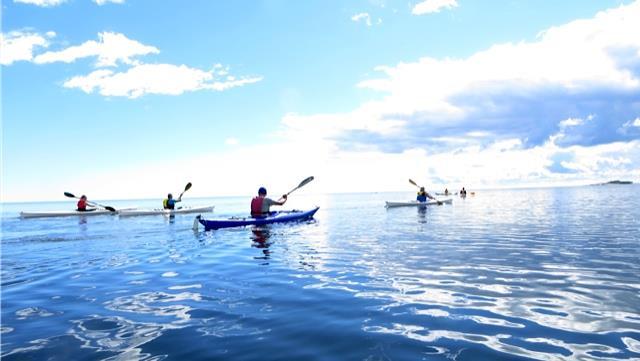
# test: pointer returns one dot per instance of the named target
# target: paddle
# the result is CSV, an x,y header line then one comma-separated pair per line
x,y
415,184
186,188
111,209
302,184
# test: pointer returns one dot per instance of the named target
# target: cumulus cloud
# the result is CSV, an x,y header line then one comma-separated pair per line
x,y
113,50
633,123
562,108
43,3
164,79
110,49
231,141
513,90
365,17
433,6
20,46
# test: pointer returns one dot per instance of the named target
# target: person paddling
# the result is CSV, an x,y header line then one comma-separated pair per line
x,y
261,205
463,192
82,205
170,203
423,195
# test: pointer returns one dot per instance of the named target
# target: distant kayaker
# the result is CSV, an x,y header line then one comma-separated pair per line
x,y
423,195
260,205
446,191
463,192
169,202
82,205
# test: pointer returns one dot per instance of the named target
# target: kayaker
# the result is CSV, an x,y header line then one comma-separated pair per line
x,y
82,205
446,191
463,192
260,205
423,195
169,202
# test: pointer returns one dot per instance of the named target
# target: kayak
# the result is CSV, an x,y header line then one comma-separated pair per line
x,y
430,202
447,194
273,217
35,214
166,212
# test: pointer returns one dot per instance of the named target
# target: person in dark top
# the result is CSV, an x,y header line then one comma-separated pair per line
x,y
260,205
169,202
423,195
82,205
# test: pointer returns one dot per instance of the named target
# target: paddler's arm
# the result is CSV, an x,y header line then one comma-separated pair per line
x,y
282,200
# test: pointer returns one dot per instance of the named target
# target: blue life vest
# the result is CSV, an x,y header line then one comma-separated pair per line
x,y
169,204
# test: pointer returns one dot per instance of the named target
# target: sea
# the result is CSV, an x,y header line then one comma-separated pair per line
x,y
524,274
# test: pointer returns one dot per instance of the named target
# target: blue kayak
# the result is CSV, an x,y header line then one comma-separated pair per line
x,y
273,217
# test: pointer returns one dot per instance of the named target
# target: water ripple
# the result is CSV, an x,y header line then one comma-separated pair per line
x,y
528,274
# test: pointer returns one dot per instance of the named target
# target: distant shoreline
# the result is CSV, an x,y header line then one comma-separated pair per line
x,y
613,182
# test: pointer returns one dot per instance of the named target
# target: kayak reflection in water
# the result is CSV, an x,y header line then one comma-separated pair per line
x,y
261,205
169,202
260,240
82,205
423,195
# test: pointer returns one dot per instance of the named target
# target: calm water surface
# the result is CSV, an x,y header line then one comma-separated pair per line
x,y
551,274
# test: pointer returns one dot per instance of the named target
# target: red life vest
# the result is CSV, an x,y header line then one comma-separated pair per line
x,y
256,206
82,205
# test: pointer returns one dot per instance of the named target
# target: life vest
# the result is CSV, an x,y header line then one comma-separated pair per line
x,y
168,205
82,205
256,206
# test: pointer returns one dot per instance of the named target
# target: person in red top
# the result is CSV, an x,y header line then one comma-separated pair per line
x,y
260,205
82,204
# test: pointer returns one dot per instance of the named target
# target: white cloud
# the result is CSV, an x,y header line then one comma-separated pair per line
x,y
113,49
369,170
231,141
571,122
144,79
43,3
575,57
433,6
633,123
19,46
362,16
110,49
102,2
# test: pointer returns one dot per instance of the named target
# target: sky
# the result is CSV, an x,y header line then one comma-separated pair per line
x,y
123,99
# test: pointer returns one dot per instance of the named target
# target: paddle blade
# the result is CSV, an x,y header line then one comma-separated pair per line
x,y
187,187
414,183
70,195
305,182
111,209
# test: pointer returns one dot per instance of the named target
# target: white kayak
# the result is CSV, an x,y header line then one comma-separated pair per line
x,y
166,212
34,214
430,202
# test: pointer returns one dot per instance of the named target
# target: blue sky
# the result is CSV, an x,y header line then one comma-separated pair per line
x,y
133,98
